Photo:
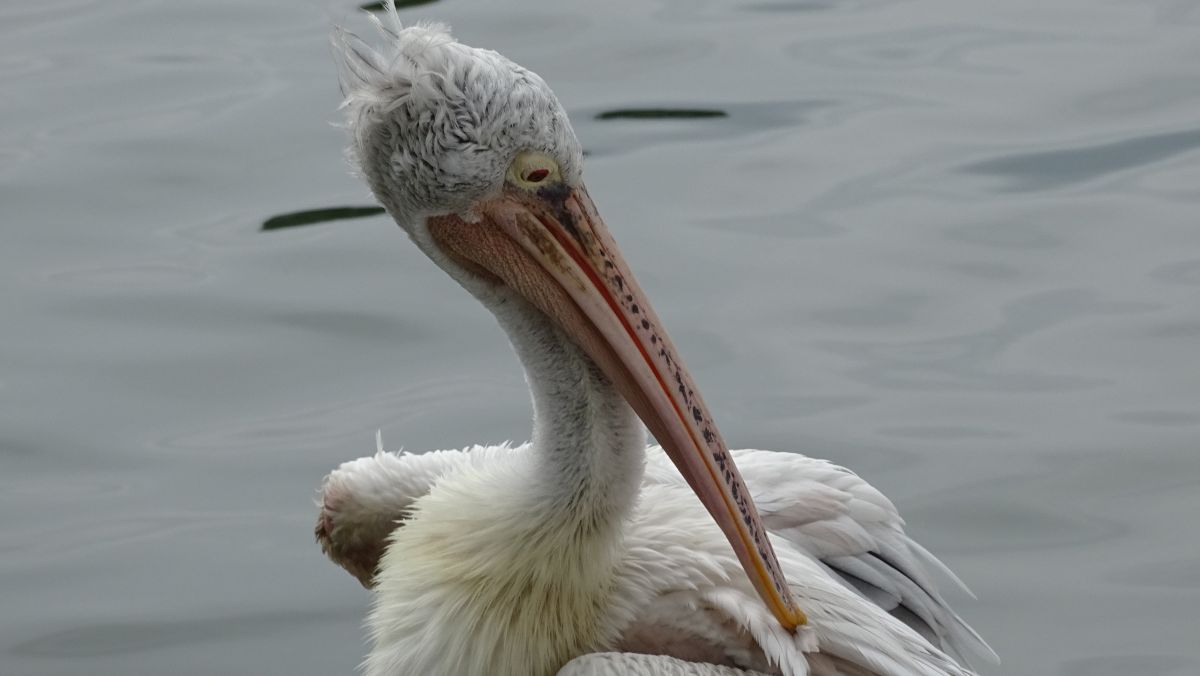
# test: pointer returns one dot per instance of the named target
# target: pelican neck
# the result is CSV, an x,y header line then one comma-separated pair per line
x,y
588,444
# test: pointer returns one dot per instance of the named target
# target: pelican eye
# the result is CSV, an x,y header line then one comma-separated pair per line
x,y
531,170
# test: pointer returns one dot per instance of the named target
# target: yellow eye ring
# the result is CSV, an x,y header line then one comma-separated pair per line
x,y
532,170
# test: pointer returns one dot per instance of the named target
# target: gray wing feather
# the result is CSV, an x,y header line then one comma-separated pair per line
x,y
834,516
633,664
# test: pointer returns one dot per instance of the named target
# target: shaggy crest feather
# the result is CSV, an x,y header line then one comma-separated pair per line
x,y
435,123
374,82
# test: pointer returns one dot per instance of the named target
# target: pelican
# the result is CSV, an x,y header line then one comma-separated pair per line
x,y
584,551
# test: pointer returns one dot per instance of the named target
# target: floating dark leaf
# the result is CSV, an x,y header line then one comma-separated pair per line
x,y
298,218
660,114
400,4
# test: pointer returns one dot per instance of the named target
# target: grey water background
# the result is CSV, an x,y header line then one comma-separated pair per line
x,y
952,245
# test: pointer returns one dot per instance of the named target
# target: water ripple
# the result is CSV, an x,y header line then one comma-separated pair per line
x,y
1011,514
324,426
134,275
971,361
1050,169
786,6
890,310
1017,234
1160,418
1127,665
942,432
1183,272
604,136
1177,574
89,533
789,225
926,48
118,638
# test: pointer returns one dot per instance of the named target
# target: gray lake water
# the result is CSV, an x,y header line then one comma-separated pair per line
x,y
952,245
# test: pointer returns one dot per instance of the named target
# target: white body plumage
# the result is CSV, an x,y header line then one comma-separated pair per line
x,y
676,588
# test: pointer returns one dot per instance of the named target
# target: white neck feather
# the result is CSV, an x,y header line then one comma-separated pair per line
x,y
509,568
589,445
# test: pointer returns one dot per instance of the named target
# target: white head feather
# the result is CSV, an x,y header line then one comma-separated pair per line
x,y
435,123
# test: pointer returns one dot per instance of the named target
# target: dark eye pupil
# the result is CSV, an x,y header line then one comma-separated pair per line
x,y
537,175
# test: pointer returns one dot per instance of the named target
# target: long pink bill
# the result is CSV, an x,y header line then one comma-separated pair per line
x,y
560,234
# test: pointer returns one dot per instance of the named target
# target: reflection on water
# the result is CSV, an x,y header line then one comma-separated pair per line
x,y
335,423
951,246
1183,272
1047,170
119,638
958,361
1183,574
644,127
793,6
1123,664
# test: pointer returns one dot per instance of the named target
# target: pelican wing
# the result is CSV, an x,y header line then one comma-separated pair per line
x,y
855,532
364,500
687,600
633,664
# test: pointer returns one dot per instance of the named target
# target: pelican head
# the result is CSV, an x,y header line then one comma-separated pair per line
x,y
474,157
437,125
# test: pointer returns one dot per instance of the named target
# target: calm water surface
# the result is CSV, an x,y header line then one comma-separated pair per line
x,y
952,245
